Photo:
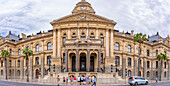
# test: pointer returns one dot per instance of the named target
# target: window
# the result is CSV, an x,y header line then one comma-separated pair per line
x,y
164,64
148,73
10,72
148,63
74,33
129,73
73,37
102,41
129,61
147,52
27,47
64,34
49,46
139,50
129,48
19,51
101,34
156,64
2,63
83,37
1,72
92,33
83,34
117,46
156,52
92,38
64,40
18,63
101,57
37,47
165,52
64,57
37,61
10,51
117,60
48,60
165,74
156,73
10,62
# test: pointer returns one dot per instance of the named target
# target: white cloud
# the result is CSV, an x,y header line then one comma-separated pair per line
x,y
31,16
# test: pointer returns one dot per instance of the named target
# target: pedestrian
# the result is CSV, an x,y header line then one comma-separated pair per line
x,y
94,81
87,80
84,80
156,79
71,80
64,80
58,80
74,80
90,80
68,80
79,80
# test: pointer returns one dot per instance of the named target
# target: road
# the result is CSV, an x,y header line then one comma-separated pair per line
x,y
8,83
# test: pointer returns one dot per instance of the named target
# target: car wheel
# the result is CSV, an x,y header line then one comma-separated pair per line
x,y
146,83
135,84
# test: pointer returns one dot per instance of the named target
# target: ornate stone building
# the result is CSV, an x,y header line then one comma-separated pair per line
x,y
83,43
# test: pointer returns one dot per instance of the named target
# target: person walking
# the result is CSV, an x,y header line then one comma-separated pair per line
x,y
156,79
94,81
68,80
87,80
71,80
58,80
64,80
79,80
74,80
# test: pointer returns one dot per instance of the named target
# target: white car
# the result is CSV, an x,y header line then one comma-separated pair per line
x,y
137,80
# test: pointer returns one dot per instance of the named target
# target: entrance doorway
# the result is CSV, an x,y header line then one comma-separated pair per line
x,y
73,63
92,64
37,74
83,62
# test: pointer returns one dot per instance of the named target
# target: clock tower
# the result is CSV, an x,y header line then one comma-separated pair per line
x,y
83,7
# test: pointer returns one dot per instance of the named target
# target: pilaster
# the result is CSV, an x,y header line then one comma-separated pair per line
x,y
77,60
144,68
107,43
169,70
123,65
42,65
59,44
54,43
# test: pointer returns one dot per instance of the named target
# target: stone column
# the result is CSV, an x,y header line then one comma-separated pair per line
x,y
22,68
151,69
107,43
99,60
54,43
77,61
135,66
31,64
111,43
15,69
66,62
168,70
144,68
42,65
88,61
58,44
123,66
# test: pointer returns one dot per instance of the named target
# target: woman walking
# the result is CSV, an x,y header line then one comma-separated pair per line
x,y
58,80
64,80
75,80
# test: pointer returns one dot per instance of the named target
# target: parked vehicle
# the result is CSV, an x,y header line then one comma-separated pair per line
x,y
137,80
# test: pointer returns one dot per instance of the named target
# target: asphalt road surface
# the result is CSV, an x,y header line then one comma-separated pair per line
x,y
8,83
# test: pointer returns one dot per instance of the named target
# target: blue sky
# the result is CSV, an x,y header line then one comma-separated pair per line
x,y
32,16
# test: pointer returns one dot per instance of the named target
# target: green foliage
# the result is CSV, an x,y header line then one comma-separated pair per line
x,y
140,38
27,52
5,53
162,56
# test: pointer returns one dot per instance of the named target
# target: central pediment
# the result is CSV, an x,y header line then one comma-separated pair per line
x,y
83,17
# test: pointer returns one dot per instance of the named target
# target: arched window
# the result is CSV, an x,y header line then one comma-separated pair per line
x,y
49,46
37,47
10,51
19,51
164,64
117,59
37,60
165,74
1,72
129,48
101,57
10,62
148,73
10,72
147,52
117,46
129,73
1,63
18,72
102,41
156,52
139,50
64,57
148,64
64,40
48,60
18,63
129,61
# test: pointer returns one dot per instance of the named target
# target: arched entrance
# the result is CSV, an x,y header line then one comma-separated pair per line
x,y
92,61
82,62
74,63
36,74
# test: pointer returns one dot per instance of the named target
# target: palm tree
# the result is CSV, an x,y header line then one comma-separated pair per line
x,y
27,53
4,54
140,39
161,57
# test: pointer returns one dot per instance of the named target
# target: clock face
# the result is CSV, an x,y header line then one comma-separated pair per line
x,y
83,8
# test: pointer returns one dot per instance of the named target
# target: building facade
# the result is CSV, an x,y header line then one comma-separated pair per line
x,y
83,42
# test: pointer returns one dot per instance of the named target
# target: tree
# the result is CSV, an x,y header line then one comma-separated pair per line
x,y
161,57
27,53
140,39
5,54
